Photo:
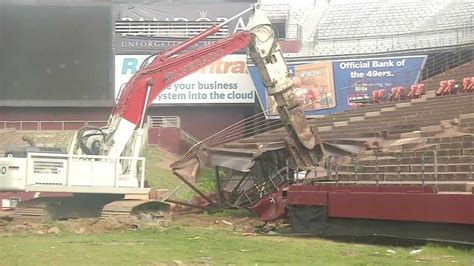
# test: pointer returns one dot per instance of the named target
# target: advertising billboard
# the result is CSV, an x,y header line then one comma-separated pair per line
x,y
328,87
355,80
225,81
142,30
313,86
135,31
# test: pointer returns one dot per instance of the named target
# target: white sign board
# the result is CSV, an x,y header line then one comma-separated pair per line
x,y
225,81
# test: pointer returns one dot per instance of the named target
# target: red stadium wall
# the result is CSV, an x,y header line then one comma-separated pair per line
x,y
168,138
290,46
199,121
53,113
203,121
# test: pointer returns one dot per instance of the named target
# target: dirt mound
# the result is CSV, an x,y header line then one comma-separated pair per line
x,y
239,223
236,222
76,226
9,228
94,226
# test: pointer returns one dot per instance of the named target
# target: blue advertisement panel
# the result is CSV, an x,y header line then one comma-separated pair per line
x,y
330,87
355,80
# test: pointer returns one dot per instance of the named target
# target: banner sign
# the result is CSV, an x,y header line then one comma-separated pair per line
x,y
172,12
330,87
314,86
152,45
224,81
355,80
185,12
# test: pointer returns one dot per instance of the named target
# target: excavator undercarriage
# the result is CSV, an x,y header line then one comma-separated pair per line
x,y
46,209
53,208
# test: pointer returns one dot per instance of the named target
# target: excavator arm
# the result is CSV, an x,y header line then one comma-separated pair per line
x,y
122,135
159,74
303,142
162,72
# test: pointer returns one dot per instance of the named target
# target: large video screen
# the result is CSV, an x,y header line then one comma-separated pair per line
x,y
56,55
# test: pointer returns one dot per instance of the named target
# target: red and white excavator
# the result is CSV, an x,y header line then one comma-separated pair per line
x,y
102,166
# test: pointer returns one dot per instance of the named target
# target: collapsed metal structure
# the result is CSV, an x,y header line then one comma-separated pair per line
x,y
383,183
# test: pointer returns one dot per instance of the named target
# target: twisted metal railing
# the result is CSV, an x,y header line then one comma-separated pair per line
x,y
248,127
427,171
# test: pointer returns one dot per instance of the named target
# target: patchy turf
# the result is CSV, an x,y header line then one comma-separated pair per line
x,y
158,172
207,239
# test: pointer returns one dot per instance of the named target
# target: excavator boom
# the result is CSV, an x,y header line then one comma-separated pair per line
x,y
156,74
166,71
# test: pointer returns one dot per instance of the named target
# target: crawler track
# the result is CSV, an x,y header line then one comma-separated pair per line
x,y
30,214
155,210
37,210
41,210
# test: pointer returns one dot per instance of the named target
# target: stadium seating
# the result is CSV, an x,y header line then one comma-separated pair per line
x,y
450,88
394,118
427,139
442,87
416,91
458,73
369,18
300,16
378,96
367,26
451,15
380,26
411,93
14,138
420,90
396,94
447,87
466,84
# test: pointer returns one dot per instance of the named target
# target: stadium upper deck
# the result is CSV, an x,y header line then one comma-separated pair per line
x,y
374,26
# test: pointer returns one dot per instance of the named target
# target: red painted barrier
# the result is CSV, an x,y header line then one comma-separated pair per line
x,y
421,207
398,203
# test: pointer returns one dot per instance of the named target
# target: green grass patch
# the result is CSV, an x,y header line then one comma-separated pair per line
x,y
210,245
163,178
233,213
157,176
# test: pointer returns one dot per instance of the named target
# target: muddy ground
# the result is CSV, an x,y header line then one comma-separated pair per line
x,y
245,225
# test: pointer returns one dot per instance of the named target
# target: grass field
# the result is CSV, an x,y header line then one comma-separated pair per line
x,y
204,239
